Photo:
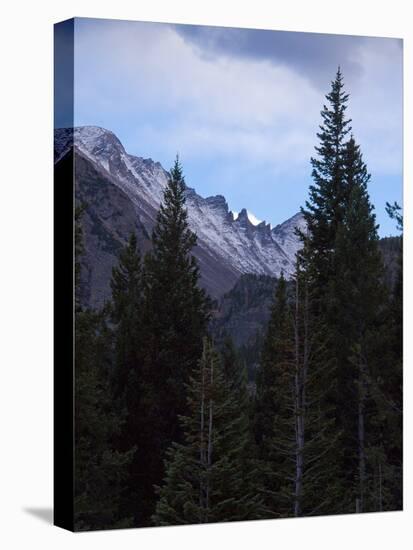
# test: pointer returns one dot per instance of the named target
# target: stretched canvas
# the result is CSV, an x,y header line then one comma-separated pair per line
x,y
228,274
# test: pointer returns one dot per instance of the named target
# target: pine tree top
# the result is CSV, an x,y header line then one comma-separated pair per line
x,y
176,171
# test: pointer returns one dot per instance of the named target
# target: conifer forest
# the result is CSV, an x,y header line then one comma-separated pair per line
x,y
176,423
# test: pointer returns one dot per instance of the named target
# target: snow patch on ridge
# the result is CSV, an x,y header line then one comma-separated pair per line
x,y
253,219
239,240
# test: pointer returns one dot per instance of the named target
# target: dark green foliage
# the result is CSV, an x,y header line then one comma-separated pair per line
x,y
250,354
391,250
345,273
234,371
127,305
176,308
205,478
172,430
268,386
100,468
296,424
388,393
175,320
274,347
128,376
236,376
243,316
324,209
358,299
395,213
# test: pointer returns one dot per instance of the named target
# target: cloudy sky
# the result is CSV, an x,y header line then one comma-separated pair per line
x,y
241,107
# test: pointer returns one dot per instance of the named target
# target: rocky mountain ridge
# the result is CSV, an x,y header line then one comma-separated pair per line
x,y
228,245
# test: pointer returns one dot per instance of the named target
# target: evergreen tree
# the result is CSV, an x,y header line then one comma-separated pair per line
x,y
324,209
345,275
127,307
266,379
204,480
386,483
394,212
235,375
358,300
176,314
127,375
100,468
298,451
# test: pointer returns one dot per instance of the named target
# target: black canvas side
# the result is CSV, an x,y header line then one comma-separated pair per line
x,y
64,284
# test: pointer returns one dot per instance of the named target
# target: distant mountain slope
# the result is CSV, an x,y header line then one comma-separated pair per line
x,y
108,219
228,245
243,315
244,311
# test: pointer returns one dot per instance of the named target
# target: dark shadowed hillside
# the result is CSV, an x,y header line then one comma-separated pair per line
x,y
243,312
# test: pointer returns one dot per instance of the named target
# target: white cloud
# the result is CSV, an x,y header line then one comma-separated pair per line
x,y
229,107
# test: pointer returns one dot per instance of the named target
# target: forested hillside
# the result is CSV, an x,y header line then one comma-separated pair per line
x,y
243,313
282,399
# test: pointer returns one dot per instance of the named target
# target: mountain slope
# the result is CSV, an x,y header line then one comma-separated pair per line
x,y
228,246
108,218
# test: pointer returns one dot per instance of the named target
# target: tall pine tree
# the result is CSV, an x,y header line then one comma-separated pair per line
x,y
127,310
266,378
100,467
176,314
345,274
205,479
357,299
236,377
324,209
127,375
298,450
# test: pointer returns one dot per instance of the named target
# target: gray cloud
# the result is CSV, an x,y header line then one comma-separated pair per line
x,y
240,106
315,56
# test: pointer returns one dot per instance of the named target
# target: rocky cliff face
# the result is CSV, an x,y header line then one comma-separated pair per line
x,y
117,185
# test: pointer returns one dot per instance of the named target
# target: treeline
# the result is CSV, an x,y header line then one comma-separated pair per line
x,y
133,362
163,432
167,430
329,387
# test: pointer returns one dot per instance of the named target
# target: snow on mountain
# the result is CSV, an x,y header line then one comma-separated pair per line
x,y
253,219
285,234
139,178
241,242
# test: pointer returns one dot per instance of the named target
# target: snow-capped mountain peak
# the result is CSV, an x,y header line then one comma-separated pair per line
x,y
253,219
238,241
